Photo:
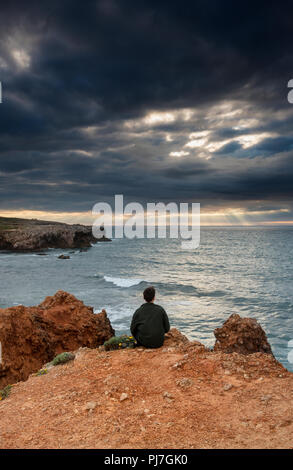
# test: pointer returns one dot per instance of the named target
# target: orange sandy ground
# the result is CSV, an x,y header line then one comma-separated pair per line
x,y
228,401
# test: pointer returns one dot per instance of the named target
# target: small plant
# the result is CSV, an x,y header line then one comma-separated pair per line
x,y
5,392
63,358
120,342
41,372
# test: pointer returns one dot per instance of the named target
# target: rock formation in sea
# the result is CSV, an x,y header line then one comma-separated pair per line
x,y
242,335
32,235
32,336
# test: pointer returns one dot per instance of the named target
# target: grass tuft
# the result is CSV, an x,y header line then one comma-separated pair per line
x,y
63,358
120,342
5,392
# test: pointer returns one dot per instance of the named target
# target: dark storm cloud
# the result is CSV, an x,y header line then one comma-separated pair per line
x,y
229,148
279,144
80,80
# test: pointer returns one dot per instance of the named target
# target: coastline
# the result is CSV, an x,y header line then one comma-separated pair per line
x,y
30,235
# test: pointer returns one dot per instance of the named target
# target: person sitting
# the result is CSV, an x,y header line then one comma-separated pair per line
x,y
150,322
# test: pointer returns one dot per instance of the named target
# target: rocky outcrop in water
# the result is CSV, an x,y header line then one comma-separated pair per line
x,y
241,335
32,235
32,336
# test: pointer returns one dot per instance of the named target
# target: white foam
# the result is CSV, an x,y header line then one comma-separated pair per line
x,y
181,302
116,313
118,281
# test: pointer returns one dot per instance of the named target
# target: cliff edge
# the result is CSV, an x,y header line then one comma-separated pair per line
x,y
181,395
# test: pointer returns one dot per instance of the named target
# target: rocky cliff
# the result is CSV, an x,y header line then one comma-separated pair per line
x,y
32,235
182,395
31,336
179,396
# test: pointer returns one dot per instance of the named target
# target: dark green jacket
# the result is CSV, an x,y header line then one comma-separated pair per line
x,y
149,325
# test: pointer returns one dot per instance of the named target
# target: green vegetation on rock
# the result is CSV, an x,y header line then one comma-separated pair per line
x,y
41,372
120,342
10,223
5,392
63,358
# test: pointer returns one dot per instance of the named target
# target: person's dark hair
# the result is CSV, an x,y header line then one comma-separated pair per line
x,y
149,294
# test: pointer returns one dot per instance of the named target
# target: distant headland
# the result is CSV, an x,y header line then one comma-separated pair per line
x,y
33,235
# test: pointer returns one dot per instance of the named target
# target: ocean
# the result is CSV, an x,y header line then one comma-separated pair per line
x,y
245,270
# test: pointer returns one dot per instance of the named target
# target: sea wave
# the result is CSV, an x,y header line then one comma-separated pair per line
x,y
179,288
122,282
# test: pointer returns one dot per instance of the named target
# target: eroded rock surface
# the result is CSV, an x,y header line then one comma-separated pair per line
x,y
32,336
242,335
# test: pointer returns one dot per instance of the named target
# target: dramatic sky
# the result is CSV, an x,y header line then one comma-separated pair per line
x,y
156,100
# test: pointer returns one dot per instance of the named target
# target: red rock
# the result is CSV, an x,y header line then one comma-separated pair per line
x,y
175,338
241,335
32,336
